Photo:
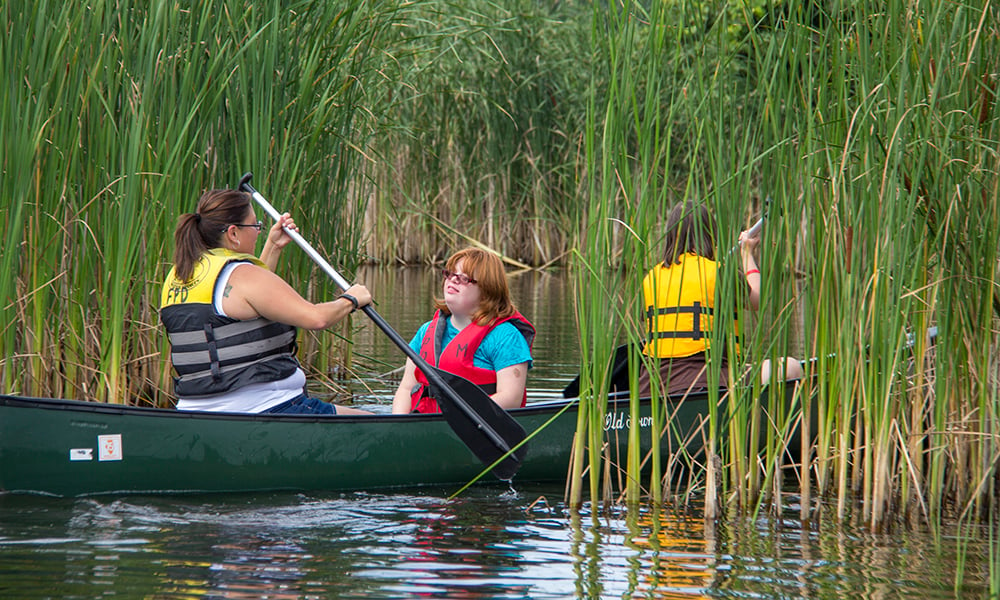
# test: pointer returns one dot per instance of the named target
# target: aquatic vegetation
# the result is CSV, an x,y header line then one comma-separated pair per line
x,y
871,130
557,134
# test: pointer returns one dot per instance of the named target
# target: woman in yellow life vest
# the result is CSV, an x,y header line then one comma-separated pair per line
x,y
679,299
232,321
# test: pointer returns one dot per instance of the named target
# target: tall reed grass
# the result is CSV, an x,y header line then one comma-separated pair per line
x,y
490,113
115,116
873,129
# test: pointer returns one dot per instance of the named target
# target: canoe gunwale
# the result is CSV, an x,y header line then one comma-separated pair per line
x,y
543,406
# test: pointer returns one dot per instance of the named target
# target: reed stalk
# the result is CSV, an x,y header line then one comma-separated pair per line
x,y
119,116
492,101
554,132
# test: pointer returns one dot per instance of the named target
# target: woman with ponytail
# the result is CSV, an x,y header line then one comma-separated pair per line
x,y
232,322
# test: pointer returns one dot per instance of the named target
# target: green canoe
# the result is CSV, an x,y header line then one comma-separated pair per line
x,y
72,448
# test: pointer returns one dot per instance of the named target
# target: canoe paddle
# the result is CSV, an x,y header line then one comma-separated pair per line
x,y
488,430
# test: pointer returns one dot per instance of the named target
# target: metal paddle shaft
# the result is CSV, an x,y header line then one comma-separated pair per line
x,y
487,429
756,227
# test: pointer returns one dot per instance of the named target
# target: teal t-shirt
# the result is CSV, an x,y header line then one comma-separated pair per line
x,y
501,348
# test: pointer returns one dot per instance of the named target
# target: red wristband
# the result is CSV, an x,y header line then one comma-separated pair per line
x,y
751,272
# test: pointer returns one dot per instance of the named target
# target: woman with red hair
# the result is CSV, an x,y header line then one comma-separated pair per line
x,y
476,332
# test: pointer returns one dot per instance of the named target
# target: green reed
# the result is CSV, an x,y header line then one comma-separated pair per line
x,y
882,264
491,104
870,130
550,131
625,151
117,117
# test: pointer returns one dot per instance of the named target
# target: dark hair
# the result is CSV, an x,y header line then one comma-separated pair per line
x,y
494,293
689,229
202,230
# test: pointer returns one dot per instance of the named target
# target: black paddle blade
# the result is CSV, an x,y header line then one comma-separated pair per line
x,y
470,428
619,374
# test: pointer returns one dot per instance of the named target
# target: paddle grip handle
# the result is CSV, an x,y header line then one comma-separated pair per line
x,y
296,237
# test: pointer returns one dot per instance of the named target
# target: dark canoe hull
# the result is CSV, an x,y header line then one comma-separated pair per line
x,y
71,448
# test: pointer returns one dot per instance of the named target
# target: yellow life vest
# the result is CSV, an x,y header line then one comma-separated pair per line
x,y
201,286
213,354
679,301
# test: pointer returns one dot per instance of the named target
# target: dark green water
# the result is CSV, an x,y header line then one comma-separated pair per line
x,y
491,542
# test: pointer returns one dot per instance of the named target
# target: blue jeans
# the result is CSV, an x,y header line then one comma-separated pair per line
x,y
303,405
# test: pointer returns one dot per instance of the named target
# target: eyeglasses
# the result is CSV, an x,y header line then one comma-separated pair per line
x,y
258,225
461,278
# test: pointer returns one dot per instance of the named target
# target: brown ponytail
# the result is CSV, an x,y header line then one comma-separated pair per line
x,y
202,230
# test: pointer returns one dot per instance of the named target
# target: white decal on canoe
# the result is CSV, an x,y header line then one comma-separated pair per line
x,y
81,454
109,447
621,420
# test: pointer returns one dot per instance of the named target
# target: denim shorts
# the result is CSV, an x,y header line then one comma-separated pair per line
x,y
303,405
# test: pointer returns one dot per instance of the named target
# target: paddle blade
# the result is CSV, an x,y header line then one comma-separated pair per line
x,y
488,445
618,373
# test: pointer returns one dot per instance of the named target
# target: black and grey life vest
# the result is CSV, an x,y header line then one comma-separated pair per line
x,y
213,354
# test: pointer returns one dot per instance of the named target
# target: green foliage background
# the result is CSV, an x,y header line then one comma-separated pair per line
x,y
557,133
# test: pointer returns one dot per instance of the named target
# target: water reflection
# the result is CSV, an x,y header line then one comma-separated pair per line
x,y
654,554
680,554
457,553
491,543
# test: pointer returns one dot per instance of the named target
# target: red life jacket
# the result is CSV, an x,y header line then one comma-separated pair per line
x,y
456,357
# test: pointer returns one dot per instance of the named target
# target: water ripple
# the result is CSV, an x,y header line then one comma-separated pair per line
x,y
490,543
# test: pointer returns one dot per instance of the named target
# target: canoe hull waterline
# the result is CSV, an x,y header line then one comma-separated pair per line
x,y
73,448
